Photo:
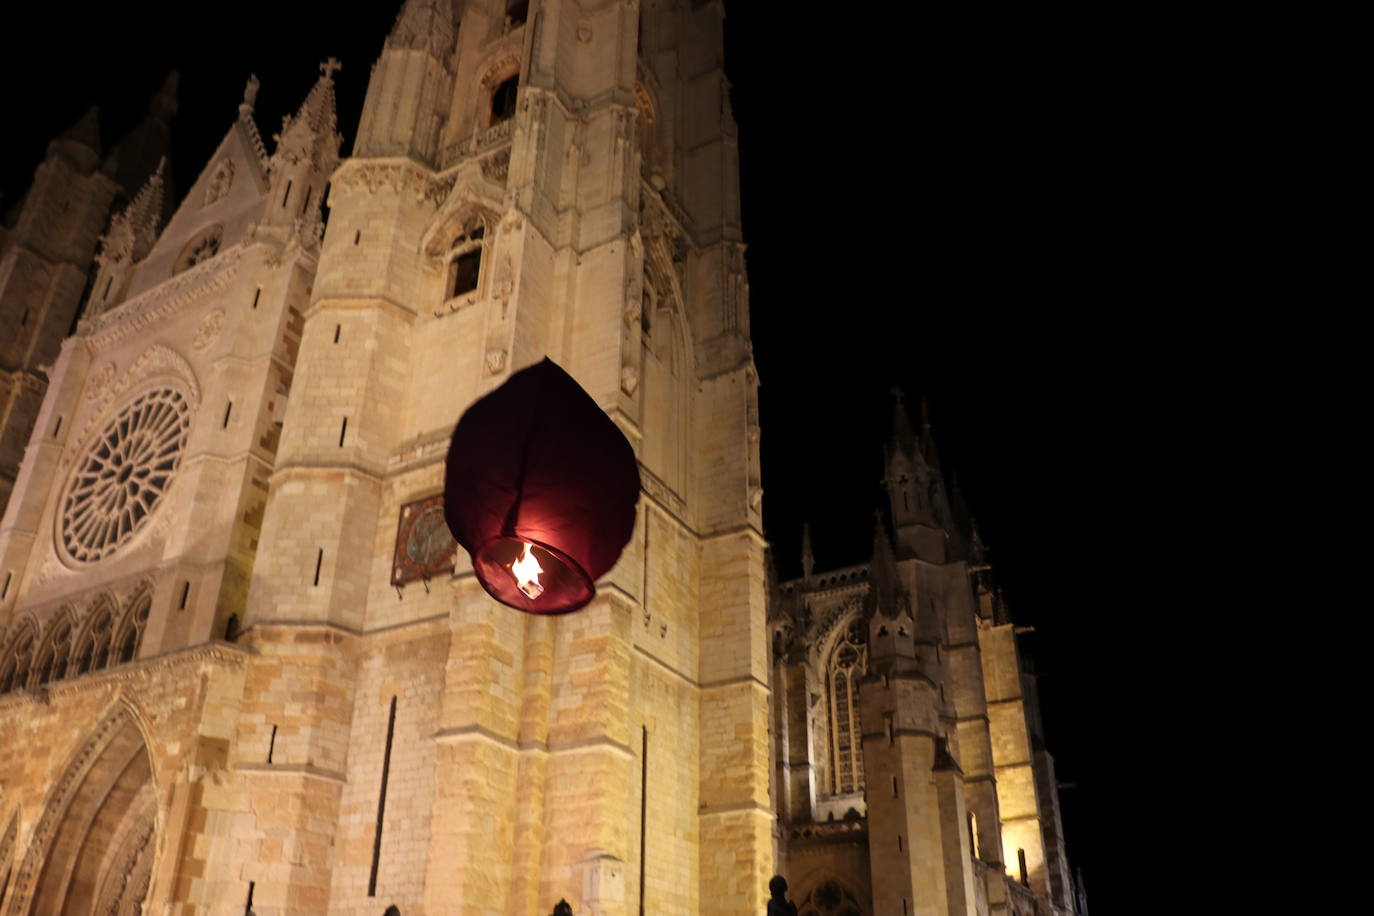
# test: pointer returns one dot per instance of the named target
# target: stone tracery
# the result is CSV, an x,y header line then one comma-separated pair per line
x,y
124,475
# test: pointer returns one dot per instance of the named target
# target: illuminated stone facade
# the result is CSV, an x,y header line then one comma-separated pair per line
x,y
235,671
911,770
208,668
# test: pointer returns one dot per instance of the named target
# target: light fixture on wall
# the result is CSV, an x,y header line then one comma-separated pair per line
x,y
540,489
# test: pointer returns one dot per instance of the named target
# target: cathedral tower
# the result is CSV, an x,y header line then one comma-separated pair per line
x,y
46,251
227,587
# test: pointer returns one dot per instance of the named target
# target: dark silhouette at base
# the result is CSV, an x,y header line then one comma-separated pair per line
x,y
779,905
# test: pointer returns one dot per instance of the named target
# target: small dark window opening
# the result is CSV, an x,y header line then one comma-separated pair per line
x,y
231,628
24,319
337,329
257,293
229,408
185,593
517,11
343,431
319,559
272,744
305,204
57,427
1021,861
464,271
894,786
6,590
108,283
503,100
357,236
286,195
248,904
899,842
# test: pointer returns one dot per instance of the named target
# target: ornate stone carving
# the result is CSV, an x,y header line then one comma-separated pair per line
x,y
209,329
220,181
496,360
163,301
99,380
123,475
629,380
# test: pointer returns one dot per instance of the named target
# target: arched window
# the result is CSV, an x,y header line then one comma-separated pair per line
x,y
14,667
93,645
53,657
131,631
848,662
503,99
465,259
202,247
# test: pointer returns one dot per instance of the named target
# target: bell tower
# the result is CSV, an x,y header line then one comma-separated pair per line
x,y
545,179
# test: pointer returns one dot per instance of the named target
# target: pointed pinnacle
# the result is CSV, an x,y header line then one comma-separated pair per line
x,y
85,130
163,104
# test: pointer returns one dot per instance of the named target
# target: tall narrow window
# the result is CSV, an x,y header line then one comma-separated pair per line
x,y
337,329
465,270
272,744
848,661
381,800
14,669
503,100
185,593
305,204
1021,861
6,589
343,431
228,409
319,561
131,630
973,834
286,195
57,427
465,259
257,293
248,904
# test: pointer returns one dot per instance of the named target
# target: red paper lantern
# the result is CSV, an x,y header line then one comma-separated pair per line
x,y
540,489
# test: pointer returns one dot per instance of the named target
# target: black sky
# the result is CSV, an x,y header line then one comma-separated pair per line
x,y
1019,216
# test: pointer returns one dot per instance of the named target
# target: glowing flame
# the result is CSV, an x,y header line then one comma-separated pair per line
x,y
526,571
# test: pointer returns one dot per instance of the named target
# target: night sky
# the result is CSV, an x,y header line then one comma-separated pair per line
x,y
1020,219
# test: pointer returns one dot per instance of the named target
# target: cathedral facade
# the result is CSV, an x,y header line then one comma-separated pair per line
x,y
911,773
243,667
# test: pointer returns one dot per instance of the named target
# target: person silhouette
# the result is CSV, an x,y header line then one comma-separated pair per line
x,y
779,905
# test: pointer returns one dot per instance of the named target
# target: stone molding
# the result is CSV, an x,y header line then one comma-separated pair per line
x,y
139,670
162,301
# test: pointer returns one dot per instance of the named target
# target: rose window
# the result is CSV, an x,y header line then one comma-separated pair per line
x,y
125,472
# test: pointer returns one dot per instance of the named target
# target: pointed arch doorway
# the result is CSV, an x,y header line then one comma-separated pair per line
x,y
92,850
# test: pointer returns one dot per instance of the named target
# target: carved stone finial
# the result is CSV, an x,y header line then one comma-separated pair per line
x,y
330,67
250,92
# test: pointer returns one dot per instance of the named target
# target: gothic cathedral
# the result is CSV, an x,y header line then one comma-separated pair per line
x,y
243,668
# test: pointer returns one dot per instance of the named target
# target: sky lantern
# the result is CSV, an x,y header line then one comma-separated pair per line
x,y
540,489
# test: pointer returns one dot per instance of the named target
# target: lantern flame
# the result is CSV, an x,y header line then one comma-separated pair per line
x,y
526,571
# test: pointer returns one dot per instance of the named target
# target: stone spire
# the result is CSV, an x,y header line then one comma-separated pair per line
x,y
883,571
136,156
163,104
313,131
903,436
134,229
250,126
425,25
80,143
85,131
